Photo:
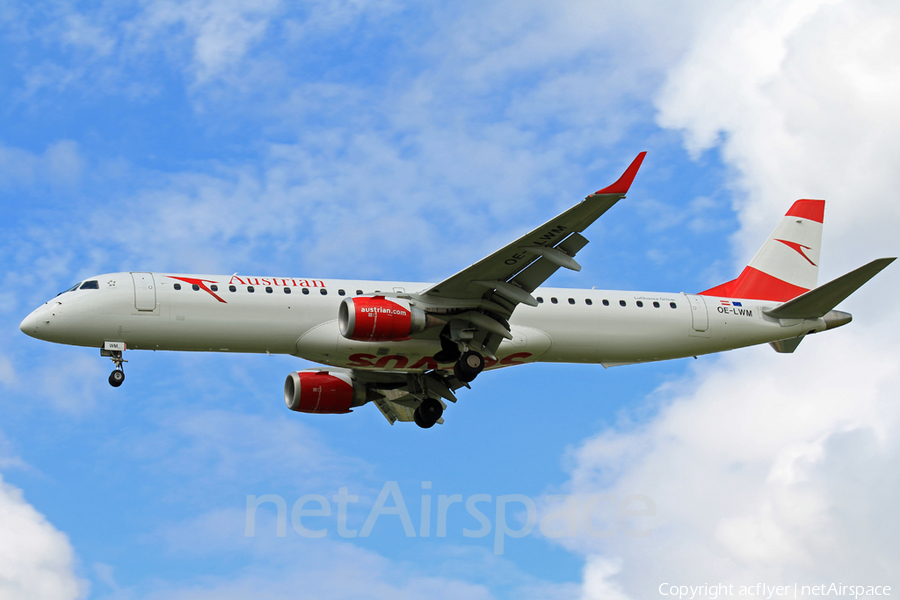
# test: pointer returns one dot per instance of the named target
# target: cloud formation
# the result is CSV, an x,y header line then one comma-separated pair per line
x,y
765,467
760,465
36,559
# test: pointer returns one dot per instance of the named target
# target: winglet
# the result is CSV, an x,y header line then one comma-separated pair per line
x,y
621,186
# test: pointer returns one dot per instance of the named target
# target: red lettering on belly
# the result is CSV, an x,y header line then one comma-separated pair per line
x,y
399,362
362,360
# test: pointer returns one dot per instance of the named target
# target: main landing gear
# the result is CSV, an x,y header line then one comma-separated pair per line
x,y
114,351
469,365
428,413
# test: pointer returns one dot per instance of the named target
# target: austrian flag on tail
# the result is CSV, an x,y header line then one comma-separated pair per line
x,y
787,264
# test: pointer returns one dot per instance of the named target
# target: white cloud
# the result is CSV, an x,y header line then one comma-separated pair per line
x,y
7,372
348,577
36,560
71,384
78,32
766,467
597,585
215,448
804,94
8,457
220,33
761,467
292,567
61,164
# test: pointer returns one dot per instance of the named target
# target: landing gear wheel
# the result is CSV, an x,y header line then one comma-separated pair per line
x,y
428,413
116,378
468,366
417,417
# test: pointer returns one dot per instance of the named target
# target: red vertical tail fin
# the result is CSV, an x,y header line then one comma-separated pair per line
x,y
787,265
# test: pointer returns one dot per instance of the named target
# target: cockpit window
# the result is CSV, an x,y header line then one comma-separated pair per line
x,y
71,289
90,285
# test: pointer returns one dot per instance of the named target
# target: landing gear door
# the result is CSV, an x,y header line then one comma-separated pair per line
x,y
699,316
144,291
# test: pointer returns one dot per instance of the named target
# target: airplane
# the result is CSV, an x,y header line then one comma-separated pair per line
x,y
407,347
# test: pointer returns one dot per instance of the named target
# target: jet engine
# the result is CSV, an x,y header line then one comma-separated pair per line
x,y
332,392
378,319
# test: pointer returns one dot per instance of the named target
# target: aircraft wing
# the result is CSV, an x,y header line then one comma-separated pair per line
x,y
517,269
397,394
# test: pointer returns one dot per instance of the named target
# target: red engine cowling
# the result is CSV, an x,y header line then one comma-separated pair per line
x,y
332,392
378,319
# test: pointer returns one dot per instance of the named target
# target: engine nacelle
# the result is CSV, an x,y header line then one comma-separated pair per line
x,y
331,392
380,319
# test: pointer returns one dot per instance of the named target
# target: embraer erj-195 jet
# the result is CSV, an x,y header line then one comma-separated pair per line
x,y
407,347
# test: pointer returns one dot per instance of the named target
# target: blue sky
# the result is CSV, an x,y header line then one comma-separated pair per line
x,y
375,139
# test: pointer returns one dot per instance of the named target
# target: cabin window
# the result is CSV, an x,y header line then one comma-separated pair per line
x,y
177,286
621,303
605,302
540,300
656,305
305,291
90,285
341,292
214,288
359,292
672,304
195,287
287,290
323,291
554,300
268,290
588,301
640,304
571,300
231,288
250,289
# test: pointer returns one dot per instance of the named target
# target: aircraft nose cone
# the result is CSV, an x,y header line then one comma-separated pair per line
x,y
29,324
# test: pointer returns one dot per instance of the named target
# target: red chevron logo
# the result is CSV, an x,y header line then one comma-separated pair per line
x,y
799,249
200,283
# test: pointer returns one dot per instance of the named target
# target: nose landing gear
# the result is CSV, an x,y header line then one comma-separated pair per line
x,y
114,351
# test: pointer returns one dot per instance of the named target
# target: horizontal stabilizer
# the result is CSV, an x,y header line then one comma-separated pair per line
x,y
818,302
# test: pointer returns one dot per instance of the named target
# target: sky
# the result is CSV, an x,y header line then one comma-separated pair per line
x,y
376,139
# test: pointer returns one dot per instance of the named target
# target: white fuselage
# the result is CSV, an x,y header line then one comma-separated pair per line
x,y
299,317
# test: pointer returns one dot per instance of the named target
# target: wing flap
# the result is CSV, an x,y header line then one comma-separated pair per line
x,y
398,394
540,270
394,411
